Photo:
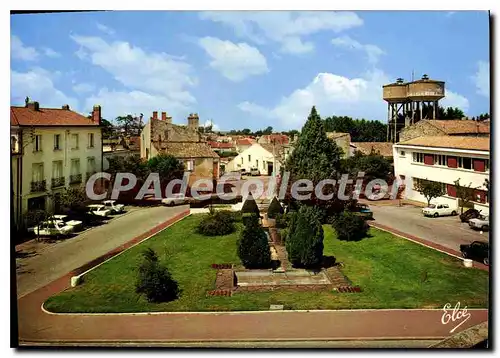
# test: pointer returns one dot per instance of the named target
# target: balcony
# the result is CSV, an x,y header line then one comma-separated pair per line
x,y
75,179
37,186
56,182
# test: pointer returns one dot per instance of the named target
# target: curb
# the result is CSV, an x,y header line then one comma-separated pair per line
x,y
426,243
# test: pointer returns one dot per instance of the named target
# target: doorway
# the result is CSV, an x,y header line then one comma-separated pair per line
x,y
270,168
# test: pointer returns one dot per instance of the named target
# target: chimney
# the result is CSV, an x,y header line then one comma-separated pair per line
x,y
34,106
155,115
193,121
96,114
66,107
163,116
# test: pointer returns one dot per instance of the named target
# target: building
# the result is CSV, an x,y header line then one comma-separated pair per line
x,y
342,140
274,138
122,147
444,159
222,147
256,156
243,144
382,148
52,149
161,136
446,127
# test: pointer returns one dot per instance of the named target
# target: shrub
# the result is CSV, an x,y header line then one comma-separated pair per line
x,y
304,242
274,209
253,247
154,280
250,206
350,227
217,223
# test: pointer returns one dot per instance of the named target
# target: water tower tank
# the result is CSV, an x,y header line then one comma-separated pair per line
x,y
426,89
395,92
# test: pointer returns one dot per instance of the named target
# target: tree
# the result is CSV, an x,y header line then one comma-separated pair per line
x,y
429,189
486,184
465,194
154,279
33,218
250,206
350,227
167,166
274,209
108,130
268,130
130,125
374,165
73,198
361,130
304,242
253,246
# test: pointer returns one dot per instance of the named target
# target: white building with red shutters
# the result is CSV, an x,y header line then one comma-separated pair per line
x,y
444,159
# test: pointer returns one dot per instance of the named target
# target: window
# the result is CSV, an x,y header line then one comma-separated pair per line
x,y
418,157
249,158
241,160
465,163
190,165
38,143
417,182
57,169
75,166
440,159
91,140
256,163
487,165
74,141
402,153
90,165
57,141
445,206
37,172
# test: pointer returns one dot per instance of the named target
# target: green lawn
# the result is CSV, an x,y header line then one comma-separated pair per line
x,y
390,270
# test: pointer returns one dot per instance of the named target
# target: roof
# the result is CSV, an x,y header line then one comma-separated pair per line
x,y
188,149
384,148
335,135
458,126
277,138
456,142
24,116
220,145
245,141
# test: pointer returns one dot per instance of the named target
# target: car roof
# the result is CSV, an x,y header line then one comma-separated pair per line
x,y
109,201
95,206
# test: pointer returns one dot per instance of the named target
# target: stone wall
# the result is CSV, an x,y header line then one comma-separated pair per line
x,y
165,131
418,130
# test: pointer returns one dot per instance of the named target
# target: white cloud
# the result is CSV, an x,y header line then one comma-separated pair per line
x,y
453,99
21,52
372,51
149,75
234,61
105,29
332,95
38,84
482,79
51,53
285,27
83,88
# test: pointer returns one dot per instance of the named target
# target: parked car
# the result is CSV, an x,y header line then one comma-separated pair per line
x,y
244,172
52,228
175,199
478,250
66,220
436,210
469,214
99,210
254,171
482,223
363,210
113,206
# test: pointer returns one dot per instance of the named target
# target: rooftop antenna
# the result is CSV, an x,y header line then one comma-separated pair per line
x,y
412,75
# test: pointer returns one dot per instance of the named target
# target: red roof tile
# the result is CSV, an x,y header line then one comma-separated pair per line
x,y
245,141
221,145
24,116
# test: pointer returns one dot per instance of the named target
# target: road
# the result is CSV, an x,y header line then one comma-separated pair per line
x,y
50,262
447,231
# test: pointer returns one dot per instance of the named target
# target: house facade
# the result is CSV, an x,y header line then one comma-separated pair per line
x,y
255,156
382,148
456,127
161,136
444,159
51,149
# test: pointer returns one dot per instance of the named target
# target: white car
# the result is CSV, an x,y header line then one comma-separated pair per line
x,y
482,222
254,172
113,206
98,209
436,210
63,219
52,228
174,199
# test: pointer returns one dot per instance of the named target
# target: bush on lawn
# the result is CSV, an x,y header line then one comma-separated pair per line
x,y
154,280
350,227
304,242
250,206
253,247
274,209
218,223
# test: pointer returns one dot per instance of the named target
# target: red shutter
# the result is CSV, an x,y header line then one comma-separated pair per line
x,y
428,159
481,194
452,162
478,165
451,190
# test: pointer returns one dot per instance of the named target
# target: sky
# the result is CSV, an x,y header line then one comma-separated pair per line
x,y
246,69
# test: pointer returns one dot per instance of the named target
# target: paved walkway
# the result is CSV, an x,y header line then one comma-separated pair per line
x,y
55,260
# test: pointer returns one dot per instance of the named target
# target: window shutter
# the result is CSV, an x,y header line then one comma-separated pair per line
x,y
428,159
452,162
479,165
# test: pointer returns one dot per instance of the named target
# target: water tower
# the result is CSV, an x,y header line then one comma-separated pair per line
x,y
409,102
